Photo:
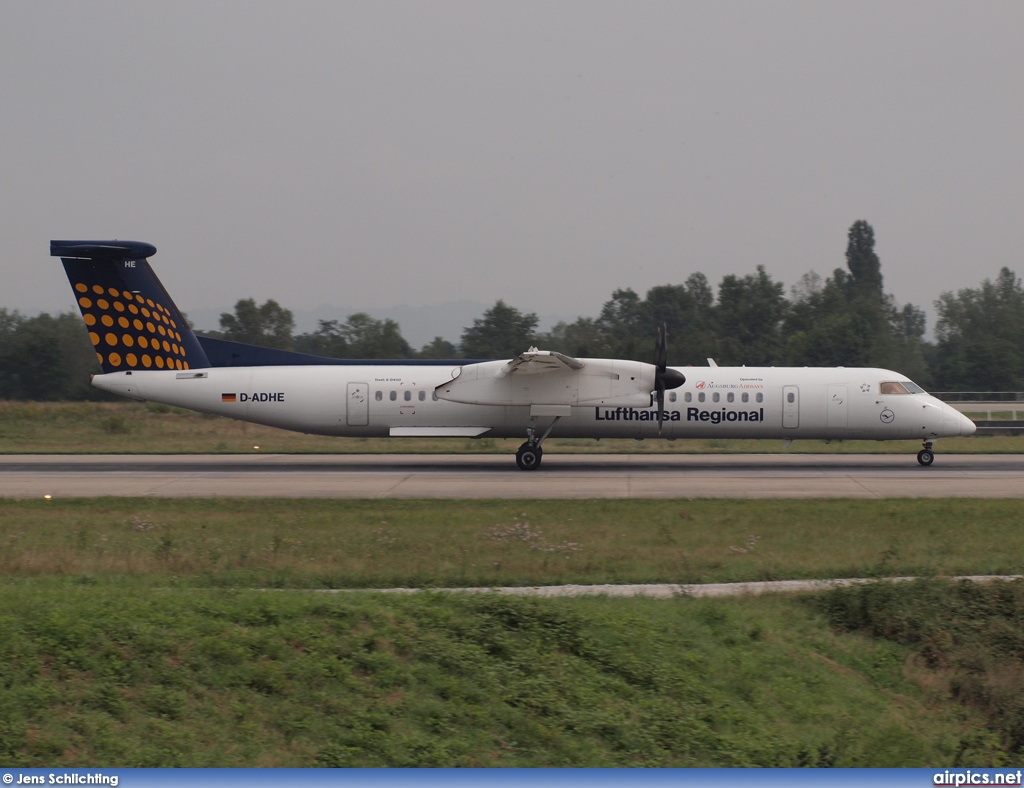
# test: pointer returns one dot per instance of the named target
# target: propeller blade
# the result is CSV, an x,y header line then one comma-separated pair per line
x,y
661,348
660,384
664,378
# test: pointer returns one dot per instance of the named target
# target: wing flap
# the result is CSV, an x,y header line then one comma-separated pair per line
x,y
438,432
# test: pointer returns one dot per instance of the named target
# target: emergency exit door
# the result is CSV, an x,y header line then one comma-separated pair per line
x,y
358,404
837,408
790,407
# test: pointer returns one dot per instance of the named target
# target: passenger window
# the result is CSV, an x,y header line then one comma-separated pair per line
x,y
715,397
408,396
745,397
760,397
730,397
671,396
433,396
700,397
379,396
393,396
423,396
791,397
688,396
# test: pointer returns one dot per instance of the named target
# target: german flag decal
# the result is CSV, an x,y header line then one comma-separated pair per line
x,y
228,397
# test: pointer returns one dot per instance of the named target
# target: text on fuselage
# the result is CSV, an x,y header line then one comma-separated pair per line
x,y
259,396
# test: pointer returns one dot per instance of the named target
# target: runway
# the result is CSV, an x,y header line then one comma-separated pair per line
x,y
496,476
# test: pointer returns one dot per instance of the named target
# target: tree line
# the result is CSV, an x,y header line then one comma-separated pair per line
x,y
846,319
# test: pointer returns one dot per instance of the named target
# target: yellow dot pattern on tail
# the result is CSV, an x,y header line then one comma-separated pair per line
x,y
133,322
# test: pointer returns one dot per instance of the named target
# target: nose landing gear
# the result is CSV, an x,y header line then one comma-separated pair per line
x,y
926,456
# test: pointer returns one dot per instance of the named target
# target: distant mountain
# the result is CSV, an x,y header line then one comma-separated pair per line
x,y
420,324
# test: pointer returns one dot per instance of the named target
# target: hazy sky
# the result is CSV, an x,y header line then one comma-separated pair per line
x,y
380,153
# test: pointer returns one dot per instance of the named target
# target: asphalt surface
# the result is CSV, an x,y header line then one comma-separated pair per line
x,y
496,476
673,590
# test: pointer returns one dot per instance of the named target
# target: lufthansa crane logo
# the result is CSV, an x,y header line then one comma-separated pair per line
x,y
887,416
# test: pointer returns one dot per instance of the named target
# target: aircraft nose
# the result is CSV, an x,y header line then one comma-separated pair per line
x,y
967,427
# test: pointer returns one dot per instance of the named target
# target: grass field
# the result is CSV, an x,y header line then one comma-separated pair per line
x,y
362,543
198,633
132,427
95,676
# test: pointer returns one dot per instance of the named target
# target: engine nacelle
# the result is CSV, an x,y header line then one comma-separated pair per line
x,y
609,382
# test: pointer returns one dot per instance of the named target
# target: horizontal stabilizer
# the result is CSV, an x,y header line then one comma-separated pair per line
x,y
102,250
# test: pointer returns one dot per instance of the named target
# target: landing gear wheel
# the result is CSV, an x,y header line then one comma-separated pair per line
x,y
926,456
528,457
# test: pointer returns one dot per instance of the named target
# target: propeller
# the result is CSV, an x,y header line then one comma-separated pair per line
x,y
664,378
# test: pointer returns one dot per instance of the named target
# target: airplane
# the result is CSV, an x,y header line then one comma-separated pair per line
x,y
148,352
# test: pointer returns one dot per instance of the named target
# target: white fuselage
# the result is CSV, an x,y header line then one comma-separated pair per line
x,y
395,400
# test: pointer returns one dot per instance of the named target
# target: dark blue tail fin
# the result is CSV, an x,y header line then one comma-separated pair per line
x,y
132,321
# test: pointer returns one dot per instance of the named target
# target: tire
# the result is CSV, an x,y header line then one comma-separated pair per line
x,y
528,457
926,457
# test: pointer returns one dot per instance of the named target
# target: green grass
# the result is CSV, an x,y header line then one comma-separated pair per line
x,y
140,428
98,677
967,642
198,633
368,543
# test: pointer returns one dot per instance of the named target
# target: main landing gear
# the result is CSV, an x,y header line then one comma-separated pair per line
x,y
926,456
530,454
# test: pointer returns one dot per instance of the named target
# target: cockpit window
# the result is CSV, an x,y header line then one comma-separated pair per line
x,y
901,387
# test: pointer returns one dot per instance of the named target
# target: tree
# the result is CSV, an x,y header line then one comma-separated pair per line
x,y
269,325
502,332
849,320
629,324
46,358
439,348
981,337
328,340
368,337
750,315
688,312
861,260
580,339
360,336
909,350
621,322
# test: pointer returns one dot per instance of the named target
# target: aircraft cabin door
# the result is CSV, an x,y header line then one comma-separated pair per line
x,y
837,410
790,407
358,404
